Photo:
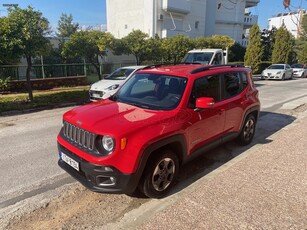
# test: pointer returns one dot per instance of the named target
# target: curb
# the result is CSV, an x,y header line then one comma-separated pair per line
x,y
19,112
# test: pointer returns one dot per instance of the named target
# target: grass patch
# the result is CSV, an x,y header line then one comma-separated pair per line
x,y
43,99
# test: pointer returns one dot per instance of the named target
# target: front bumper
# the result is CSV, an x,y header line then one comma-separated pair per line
x,y
298,74
96,95
271,76
99,178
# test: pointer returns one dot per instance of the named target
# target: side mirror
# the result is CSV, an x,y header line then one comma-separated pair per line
x,y
204,103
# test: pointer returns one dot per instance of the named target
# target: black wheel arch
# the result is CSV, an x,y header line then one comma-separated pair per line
x,y
255,110
176,143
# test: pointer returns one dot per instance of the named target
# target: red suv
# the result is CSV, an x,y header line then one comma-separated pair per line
x,y
161,118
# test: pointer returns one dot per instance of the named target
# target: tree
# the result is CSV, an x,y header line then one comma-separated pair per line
x,y
155,51
302,57
25,33
6,52
222,42
175,48
66,27
135,43
236,53
88,45
105,41
303,31
254,50
284,43
267,41
202,42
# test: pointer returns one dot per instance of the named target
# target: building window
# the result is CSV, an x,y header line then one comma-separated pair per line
x,y
196,24
126,26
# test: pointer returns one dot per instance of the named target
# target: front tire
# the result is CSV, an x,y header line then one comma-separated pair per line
x,y
160,175
248,130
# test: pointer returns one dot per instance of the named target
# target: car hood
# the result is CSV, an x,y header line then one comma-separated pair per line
x,y
107,117
298,69
103,84
274,71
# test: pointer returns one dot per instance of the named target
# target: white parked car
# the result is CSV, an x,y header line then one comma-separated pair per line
x,y
277,71
299,70
110,84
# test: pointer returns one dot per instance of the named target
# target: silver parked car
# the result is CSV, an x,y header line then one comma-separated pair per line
x,y
277,71
110,84
299,70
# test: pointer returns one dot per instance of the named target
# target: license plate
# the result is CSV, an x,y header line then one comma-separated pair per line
x,y
70,161
96,95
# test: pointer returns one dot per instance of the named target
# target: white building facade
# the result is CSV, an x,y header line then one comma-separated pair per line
x,y
192,18
291,20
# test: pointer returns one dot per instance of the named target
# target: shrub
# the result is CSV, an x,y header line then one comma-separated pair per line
x,y
5,84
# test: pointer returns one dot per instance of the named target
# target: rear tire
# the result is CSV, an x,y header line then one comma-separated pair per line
x,y
160,175
248,130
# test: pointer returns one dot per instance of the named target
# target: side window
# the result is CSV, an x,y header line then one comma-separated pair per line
x,y
244,80
205,87
234,84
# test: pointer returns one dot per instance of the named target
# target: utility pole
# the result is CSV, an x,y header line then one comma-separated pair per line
x,y
8,5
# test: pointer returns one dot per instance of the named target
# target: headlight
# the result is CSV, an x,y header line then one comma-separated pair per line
x,y
108,143
112,87
278,72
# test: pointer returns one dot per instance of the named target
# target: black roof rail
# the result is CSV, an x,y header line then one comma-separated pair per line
x,y
166,64
153,66
204,68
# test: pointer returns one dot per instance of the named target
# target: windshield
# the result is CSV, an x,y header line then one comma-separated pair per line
x,y
152,91
201,57
119,74
276,67
297,66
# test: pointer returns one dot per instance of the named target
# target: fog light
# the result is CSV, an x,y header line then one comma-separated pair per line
x,y
106,181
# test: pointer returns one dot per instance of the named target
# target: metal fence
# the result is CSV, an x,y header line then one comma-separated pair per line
x,y
15,72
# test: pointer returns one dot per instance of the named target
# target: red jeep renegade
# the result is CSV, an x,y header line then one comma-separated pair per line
x,y
162,117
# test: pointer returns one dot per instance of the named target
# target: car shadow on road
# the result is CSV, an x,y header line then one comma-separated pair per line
x,y
268,124
259,85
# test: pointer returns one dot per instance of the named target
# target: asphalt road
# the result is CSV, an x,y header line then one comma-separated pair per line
x,y
28,153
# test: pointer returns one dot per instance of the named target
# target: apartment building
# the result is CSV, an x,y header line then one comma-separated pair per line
x,y
193,18
292,21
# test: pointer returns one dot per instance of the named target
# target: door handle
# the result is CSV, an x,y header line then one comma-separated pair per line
x,y
221,111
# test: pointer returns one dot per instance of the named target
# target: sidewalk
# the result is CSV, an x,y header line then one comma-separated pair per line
x,y
266,190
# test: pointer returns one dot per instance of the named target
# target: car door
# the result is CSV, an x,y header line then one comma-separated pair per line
x,y
205,125
288,71
233,84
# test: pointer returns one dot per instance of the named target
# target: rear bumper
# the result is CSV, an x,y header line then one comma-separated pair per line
x,y
99,178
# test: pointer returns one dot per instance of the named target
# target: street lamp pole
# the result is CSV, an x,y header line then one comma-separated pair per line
x,y
9,5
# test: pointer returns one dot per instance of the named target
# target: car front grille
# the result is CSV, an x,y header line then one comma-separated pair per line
x,y
79,136
94,93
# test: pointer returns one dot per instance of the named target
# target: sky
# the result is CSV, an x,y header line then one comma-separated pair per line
x,y
93,12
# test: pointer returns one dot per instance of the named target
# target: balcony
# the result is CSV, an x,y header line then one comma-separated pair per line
x,y
177,6
249,21
251,3
243,42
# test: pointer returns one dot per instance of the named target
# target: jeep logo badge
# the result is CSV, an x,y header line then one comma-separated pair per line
x,y
79,123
